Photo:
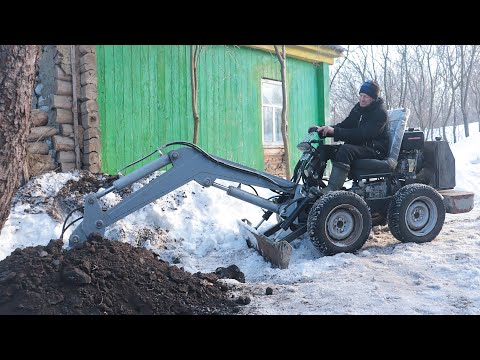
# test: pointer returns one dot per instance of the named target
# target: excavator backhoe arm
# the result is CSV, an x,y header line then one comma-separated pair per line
x,y
190,163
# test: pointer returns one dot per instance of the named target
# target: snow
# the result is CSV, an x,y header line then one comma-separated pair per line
x,y
197,229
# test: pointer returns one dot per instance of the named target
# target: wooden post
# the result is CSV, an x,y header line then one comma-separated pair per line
x,y
75,106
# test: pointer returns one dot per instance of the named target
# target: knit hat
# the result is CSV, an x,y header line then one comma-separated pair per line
x,y
371,88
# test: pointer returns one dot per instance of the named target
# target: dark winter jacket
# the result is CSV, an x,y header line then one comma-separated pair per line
x,y
366,126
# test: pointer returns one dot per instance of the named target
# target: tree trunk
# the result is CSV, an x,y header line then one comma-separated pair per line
x,y
454,129
194,55
465,122
282,58
17,77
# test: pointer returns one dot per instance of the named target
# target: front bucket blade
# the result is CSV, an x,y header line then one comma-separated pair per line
x,y
278,253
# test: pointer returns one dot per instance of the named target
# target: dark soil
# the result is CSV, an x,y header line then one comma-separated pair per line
x,y
107,277
104,276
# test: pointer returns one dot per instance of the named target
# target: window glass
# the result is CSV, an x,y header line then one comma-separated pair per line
x,y
272,111
267,124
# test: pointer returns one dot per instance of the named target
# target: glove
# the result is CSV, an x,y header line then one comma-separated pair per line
x,y
312,129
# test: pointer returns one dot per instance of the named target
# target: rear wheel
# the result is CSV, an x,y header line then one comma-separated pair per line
x,y
339,221
416,213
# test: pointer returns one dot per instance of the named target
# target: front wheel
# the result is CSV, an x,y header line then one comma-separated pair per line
x,y
339,221
416,213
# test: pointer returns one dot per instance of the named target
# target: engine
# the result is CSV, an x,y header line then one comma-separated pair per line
x,y
409,164
371,189
410,159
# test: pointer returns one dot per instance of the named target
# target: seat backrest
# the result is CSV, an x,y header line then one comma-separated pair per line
x,y
397,121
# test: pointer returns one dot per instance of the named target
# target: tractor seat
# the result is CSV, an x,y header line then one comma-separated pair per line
x,y
397,121
364,167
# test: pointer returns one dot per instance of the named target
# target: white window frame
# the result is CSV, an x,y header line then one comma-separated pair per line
x,y
274,108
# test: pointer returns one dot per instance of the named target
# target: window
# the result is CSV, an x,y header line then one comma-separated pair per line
x,y
272,112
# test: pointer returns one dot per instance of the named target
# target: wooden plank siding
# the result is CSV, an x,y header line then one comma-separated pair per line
x,y
144,98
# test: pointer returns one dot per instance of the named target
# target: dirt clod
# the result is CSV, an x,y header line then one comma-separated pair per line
x,y
231,272
243,300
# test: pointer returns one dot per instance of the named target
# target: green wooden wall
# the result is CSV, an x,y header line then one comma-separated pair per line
x,y
144,98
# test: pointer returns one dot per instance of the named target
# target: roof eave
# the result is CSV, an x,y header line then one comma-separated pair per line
x,y
310,53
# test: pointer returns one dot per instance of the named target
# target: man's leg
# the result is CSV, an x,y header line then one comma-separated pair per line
x,y
327,152
345,155
337,177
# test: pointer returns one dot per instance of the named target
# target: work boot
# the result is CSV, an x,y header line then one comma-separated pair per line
x,y
337,177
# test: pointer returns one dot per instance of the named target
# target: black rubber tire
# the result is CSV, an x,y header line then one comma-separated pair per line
x,y
335,213
407,210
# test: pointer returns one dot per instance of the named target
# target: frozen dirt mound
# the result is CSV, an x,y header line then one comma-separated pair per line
x,y
105,277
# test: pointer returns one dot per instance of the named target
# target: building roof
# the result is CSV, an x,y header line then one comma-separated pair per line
x,y
310,53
